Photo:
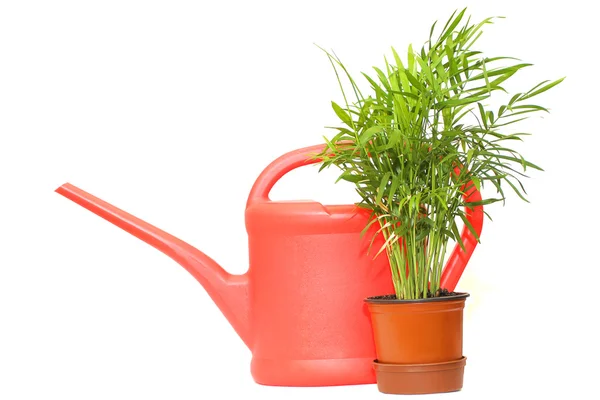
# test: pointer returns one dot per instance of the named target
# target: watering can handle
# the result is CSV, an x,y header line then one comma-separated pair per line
x,y
278,168
458,258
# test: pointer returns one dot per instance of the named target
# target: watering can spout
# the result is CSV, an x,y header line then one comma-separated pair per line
x,y
229,292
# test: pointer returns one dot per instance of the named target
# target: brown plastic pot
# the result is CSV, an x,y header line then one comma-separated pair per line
x,y
419,344
420,378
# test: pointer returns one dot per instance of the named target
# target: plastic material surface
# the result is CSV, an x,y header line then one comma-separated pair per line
x,y
300,307
420,378
419,344
408,332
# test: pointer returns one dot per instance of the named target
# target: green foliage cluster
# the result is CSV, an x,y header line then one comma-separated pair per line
x,y
423,135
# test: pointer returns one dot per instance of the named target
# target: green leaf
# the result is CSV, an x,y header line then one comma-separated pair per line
x,y
368,134
460,102
378,90
516,190
542,89
394,187
341,113
381,190
431,32
509,122
457,236
514,99
350,177
482,202
411,59
469,156
399,63
426,71
414,81
530,106
483,115
383,78
448,31
500,71
469,226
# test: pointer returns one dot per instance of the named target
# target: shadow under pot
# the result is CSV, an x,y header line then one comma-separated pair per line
x,y
419,343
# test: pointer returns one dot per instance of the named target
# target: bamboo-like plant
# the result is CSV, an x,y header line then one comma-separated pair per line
x,y
422,137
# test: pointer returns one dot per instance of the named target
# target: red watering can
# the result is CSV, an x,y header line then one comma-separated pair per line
x,y
299,308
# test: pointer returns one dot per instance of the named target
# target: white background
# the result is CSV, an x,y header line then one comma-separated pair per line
x,y
170,110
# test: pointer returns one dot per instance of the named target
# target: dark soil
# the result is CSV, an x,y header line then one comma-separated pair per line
x,y
438,293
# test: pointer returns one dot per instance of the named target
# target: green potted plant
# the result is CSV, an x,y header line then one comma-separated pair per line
x,y
416,147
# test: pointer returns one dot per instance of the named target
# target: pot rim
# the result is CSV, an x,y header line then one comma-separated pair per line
x,y
419,368
458,295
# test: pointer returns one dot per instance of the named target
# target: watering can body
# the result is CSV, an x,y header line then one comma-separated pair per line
x,y
300,307
310,272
